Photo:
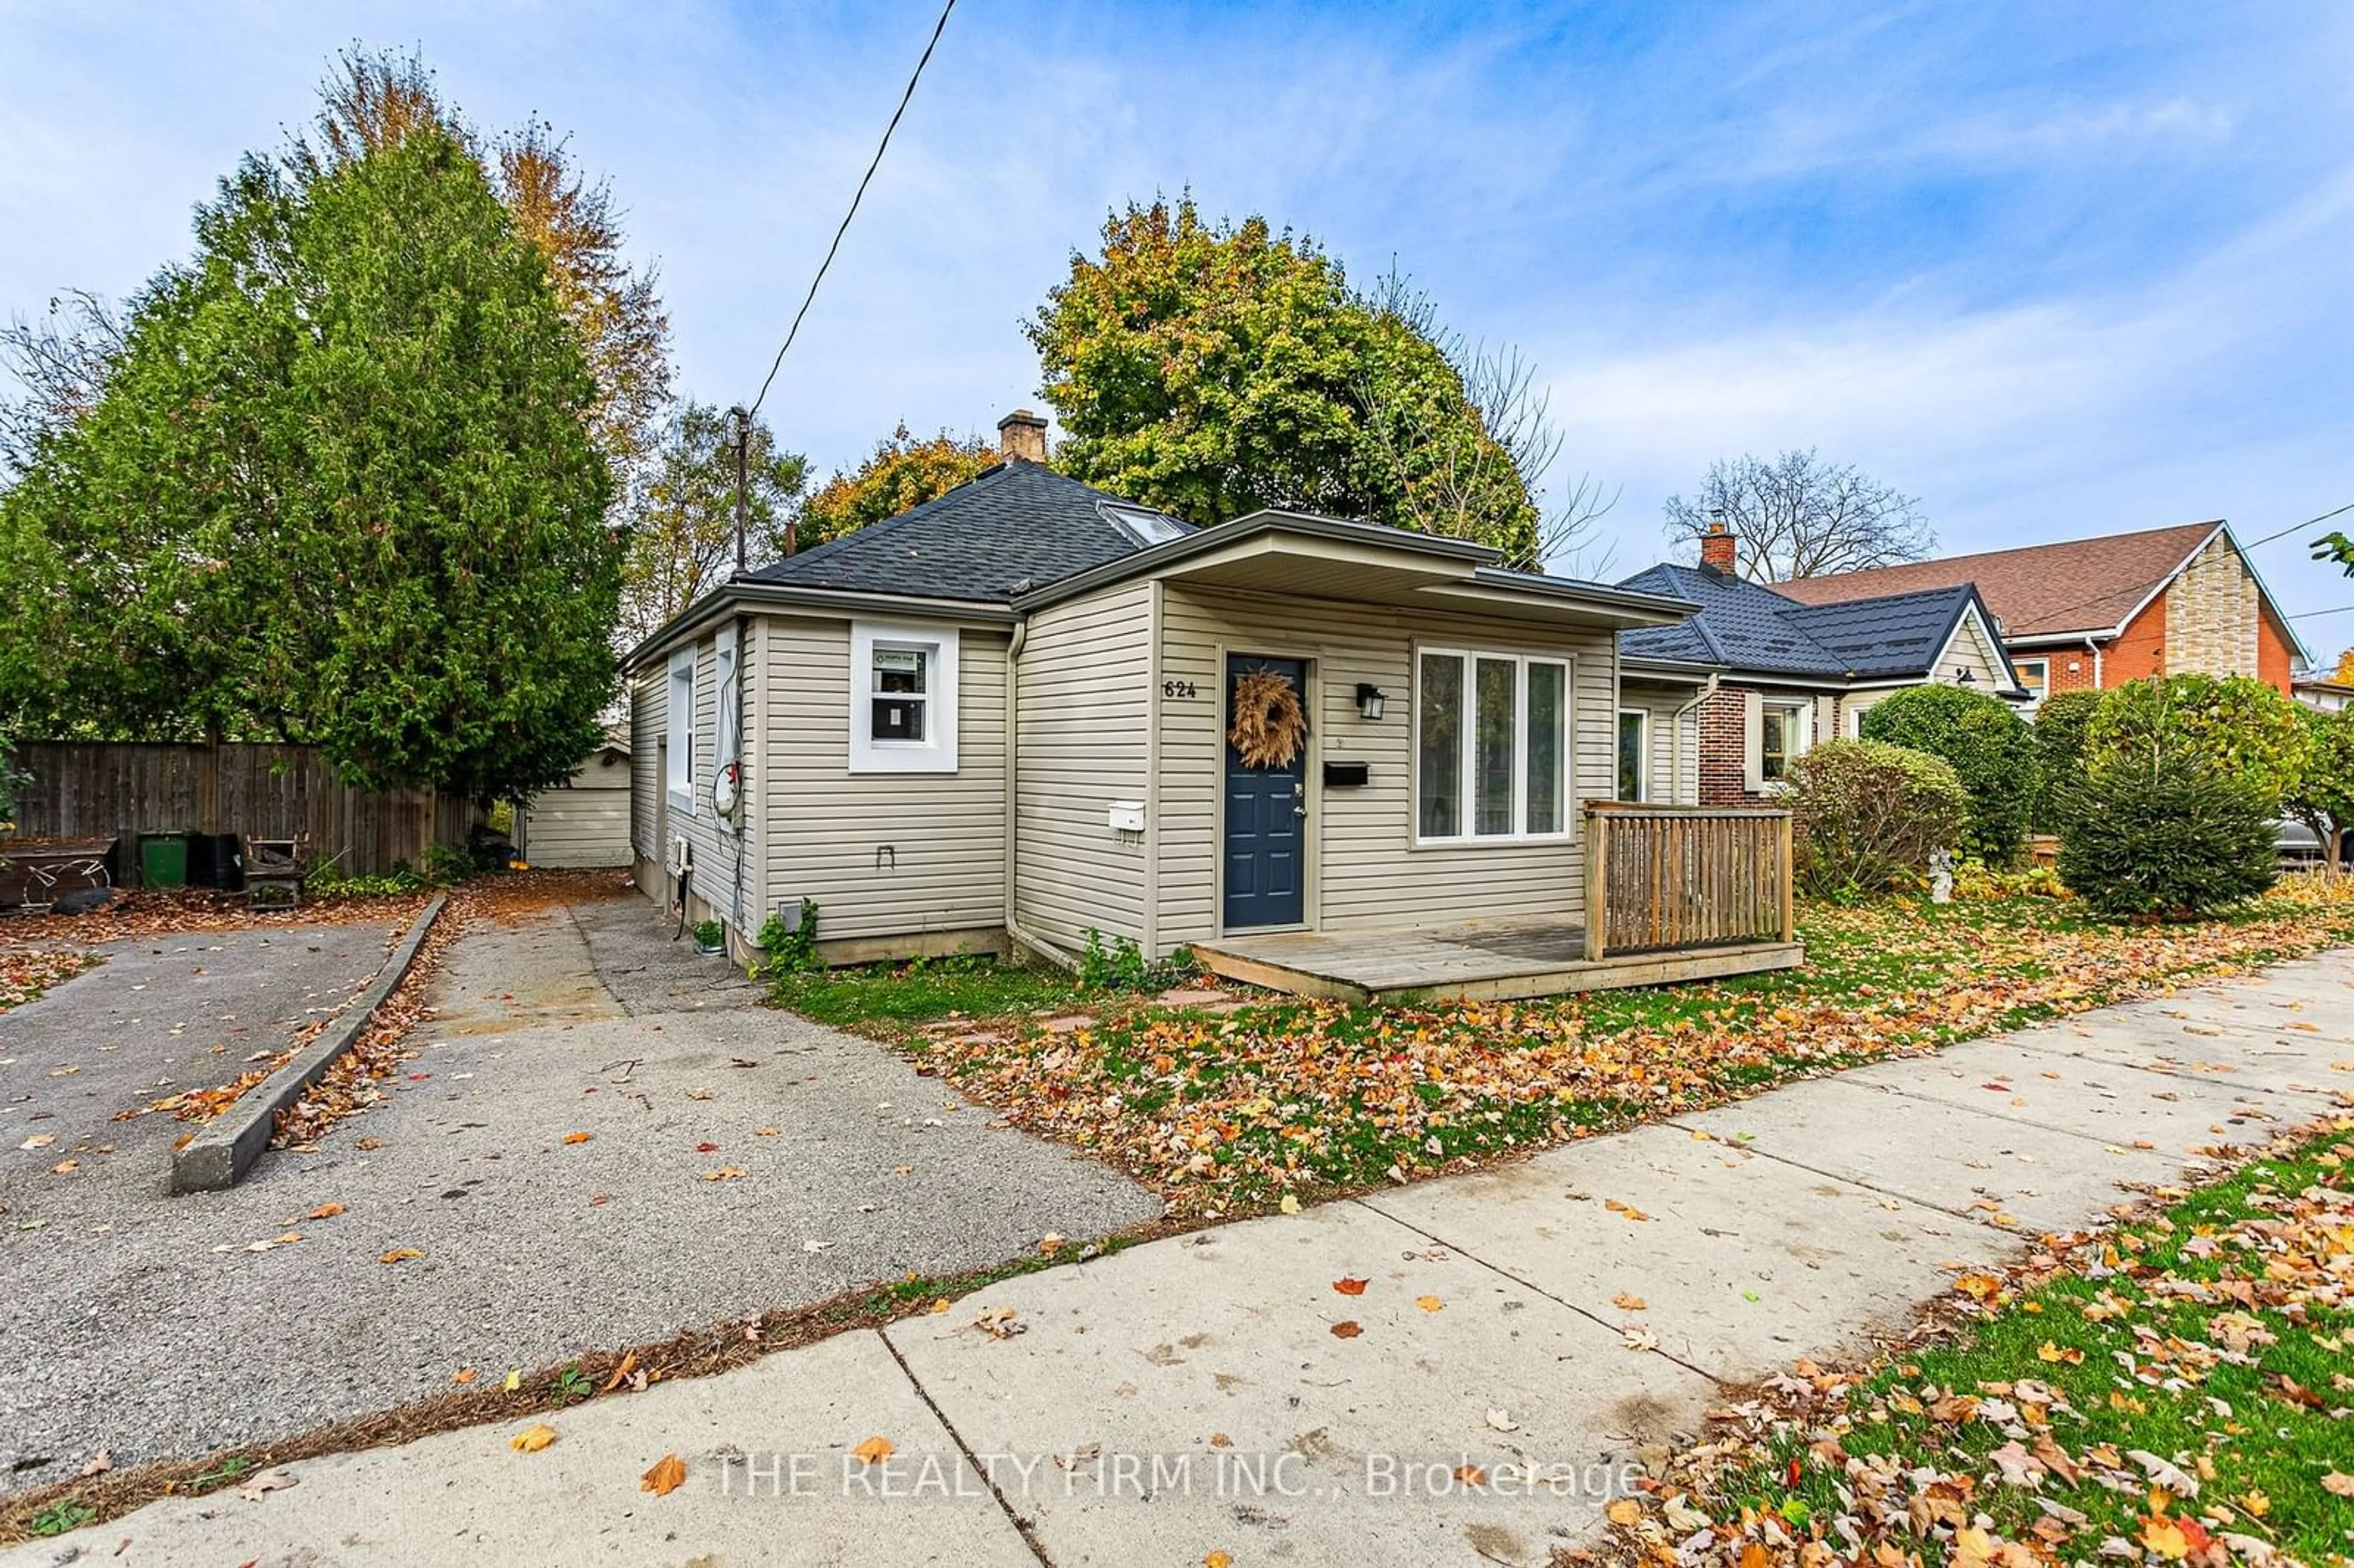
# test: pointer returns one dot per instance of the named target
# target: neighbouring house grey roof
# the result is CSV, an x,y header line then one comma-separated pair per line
x,y
1750,630
1009,530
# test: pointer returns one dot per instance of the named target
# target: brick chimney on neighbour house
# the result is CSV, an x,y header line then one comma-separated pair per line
x,y
1021,437
1716,548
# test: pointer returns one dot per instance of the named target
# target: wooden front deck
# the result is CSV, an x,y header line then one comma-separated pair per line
x,y
1479,960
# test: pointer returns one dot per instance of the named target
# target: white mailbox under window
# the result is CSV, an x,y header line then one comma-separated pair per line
x,y
903,699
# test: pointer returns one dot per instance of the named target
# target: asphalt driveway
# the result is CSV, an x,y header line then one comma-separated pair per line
x,y
735,1159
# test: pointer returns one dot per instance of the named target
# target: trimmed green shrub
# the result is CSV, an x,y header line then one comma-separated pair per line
x,y
2236,724
2169,834
1865,812
2323,796
2060,727
1992,748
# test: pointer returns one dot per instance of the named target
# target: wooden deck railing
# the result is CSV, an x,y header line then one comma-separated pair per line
x,y
1680,876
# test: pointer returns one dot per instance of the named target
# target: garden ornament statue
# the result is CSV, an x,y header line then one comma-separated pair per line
x,y
1941,876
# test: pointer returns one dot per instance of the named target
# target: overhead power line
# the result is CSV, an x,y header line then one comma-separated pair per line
x,y
2296,527
875,163
2312,614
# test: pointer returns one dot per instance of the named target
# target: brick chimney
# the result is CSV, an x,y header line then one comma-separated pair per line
x,y
1021,437
1716,548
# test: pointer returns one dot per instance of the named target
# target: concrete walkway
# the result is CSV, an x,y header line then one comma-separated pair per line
x,y
1537,1326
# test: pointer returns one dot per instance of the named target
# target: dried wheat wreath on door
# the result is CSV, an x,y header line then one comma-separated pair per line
x,y
1270,725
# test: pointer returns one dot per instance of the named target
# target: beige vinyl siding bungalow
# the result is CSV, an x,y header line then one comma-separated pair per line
x,y
669,801
1002,717
1365,869
1122,697
887,855
1083,743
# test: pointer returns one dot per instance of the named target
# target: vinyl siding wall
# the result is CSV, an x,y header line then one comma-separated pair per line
x,y
1083,741
712,889
583,822
884,854
647,693
1673,777
1363,870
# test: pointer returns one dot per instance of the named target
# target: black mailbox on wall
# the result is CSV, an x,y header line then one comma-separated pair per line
x,y
1346,775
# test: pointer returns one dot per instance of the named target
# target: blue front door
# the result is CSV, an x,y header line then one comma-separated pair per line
x,y
1267,818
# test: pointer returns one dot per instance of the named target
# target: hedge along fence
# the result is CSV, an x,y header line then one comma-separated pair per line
x,y
120,789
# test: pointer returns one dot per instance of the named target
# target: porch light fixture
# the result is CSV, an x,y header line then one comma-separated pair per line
x,y
1370,700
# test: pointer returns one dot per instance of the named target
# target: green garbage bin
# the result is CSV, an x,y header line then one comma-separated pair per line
x,y
164,859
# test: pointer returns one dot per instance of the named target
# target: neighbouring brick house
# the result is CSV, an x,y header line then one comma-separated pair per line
x,y
1714,711
2100,612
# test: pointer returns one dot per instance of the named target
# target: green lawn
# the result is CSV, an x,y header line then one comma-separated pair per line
x,y
891,996
2180,1386
1233,1112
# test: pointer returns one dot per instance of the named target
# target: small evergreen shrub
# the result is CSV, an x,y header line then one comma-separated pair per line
x,y
2171,835
2062,726
1992,748
1865,812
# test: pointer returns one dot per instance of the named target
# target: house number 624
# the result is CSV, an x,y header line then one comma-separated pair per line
x,y
1180,689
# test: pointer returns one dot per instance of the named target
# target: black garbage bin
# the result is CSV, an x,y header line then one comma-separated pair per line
x,y
216,860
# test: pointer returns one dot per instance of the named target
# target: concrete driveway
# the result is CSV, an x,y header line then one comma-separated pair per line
x,y
737,1159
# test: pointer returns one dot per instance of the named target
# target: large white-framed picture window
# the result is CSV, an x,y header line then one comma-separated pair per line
x,y
903,698
1491,747
678,731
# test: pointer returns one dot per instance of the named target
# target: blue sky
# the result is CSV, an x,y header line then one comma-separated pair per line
x,y
2056,269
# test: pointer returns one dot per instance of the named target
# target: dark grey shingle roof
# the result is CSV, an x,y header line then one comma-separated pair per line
x,y
1745,626
1010,529
1899,635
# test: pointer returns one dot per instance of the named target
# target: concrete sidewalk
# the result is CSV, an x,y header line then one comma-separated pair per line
x,y
1520,1338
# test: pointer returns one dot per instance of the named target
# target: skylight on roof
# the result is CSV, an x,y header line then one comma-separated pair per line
x,y
1140,523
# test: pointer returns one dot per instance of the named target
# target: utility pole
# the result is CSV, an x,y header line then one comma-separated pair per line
x,y
743,437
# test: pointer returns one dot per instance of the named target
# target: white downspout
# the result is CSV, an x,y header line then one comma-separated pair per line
x,y
1677,752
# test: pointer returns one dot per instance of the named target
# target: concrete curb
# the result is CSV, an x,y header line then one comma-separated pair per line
x,y
224,1149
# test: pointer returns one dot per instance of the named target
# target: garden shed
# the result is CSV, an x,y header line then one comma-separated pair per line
x,y
584,820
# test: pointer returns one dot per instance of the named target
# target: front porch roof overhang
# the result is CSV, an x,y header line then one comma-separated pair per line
x,y
1364,563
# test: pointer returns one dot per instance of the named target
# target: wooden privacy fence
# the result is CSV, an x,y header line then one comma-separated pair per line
x,y
105,790
1664,877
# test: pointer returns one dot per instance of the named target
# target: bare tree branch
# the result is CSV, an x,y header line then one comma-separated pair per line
x,y
1452,485
62,360
1798,516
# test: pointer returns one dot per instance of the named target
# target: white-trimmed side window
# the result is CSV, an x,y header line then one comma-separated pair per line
x,y
903,698
678,730
1785,731
1491,747
2035,675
